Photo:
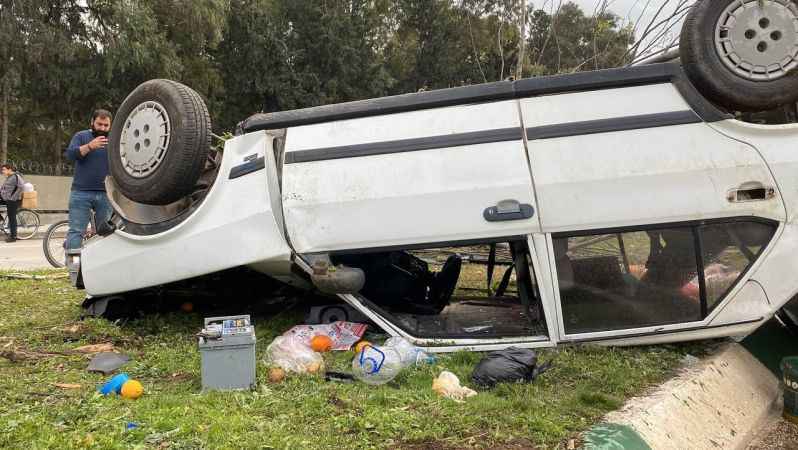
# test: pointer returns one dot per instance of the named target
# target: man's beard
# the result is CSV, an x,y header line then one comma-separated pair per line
x,y
98,133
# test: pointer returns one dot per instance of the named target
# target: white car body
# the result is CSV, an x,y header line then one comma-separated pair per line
x,y
592,154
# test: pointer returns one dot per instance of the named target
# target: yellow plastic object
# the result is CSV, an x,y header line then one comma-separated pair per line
x,y
359,346
132,389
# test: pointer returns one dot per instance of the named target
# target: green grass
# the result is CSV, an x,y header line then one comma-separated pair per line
x,y
302,412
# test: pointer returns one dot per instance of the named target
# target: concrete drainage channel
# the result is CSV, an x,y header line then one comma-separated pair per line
x,y
723,401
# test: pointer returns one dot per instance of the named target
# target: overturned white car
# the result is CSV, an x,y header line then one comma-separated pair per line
x,y
626,206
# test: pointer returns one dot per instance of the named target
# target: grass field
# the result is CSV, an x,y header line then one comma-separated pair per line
x,y
40,318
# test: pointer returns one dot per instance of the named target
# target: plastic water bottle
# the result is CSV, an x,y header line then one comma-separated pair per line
x,y
409,353
376,365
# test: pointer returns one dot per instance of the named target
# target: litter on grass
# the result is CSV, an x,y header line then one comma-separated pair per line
x,y
343,334
448,385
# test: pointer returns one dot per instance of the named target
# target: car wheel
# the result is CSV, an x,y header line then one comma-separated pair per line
x,y
159,143
743,54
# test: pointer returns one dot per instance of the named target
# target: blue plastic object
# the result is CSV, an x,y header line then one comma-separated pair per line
x,y
114,385
370,364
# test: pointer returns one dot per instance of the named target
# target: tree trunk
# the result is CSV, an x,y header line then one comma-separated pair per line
x,y
4,121
519,71
57,148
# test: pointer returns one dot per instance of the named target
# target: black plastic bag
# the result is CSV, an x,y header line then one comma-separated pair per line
x,y
510,365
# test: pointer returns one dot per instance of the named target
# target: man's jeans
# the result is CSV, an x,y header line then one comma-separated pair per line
x,y
81,203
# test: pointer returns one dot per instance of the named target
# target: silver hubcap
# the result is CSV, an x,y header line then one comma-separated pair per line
x,y
758,39
145,138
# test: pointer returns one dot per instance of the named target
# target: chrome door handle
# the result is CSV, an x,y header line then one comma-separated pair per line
x,y
508,210
751,191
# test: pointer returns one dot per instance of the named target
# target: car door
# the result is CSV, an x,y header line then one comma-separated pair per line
x,y
653,219
439,175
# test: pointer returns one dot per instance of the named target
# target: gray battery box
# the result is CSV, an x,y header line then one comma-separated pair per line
x,y
227,348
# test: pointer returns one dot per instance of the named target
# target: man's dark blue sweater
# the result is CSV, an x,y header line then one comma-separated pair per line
x,y
90,170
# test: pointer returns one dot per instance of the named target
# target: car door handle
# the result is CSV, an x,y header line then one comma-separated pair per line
x,y
508,210
751,191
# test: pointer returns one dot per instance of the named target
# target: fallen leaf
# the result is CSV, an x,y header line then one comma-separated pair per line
x,y
67,385
96,348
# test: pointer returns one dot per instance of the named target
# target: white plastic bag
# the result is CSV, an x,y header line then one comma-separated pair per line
x,y
292,355
28,187
448,385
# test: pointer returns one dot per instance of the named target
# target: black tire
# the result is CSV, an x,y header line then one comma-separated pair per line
x,y
716,81
187,150
27,224
53,243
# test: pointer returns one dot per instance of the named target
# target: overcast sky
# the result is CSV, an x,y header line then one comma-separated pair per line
x,y
634,11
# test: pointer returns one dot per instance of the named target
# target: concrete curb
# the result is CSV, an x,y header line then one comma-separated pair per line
x,y
720,402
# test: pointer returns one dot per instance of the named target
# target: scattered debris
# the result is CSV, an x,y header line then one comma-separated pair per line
x,y
509,365
448,385
95,348
377,365
123,385
409,353
107,362
157,438
276,374
342,334
293,355
114,385
25,276
131,390
321,343
339,376
477,328
18,355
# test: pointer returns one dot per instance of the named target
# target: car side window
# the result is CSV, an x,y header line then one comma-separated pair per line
x,y
648,277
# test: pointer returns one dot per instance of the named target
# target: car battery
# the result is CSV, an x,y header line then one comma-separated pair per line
x,y
227,348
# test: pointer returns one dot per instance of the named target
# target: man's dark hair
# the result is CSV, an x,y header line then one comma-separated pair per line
x,y
102,114
9,167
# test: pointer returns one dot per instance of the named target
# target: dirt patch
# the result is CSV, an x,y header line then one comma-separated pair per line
x,y
515,444
779,435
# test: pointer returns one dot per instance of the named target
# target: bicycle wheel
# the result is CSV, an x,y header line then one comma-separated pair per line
x,y
4,225
27,224
54,243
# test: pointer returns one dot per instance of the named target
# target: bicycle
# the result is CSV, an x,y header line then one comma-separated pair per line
x,y
28,222
54,242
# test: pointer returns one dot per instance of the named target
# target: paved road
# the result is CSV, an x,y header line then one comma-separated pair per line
x,y
23,255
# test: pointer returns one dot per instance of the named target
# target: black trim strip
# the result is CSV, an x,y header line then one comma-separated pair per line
x,y
503,90
427,245
698,242
614,124
664,225
660,333
248,167
497,135
404,145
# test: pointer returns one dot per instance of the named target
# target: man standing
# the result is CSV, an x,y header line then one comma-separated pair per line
x,y
11,195
88,150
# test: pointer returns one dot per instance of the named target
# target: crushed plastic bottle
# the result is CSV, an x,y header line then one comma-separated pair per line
x,y
409,353
376,365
